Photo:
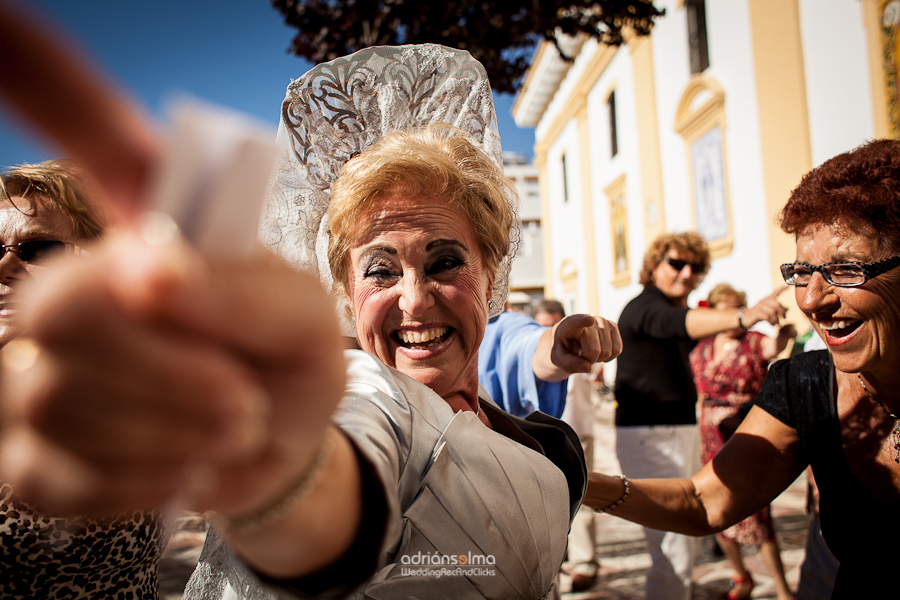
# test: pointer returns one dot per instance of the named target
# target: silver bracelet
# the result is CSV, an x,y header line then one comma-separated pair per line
x,y
624,497
297,492
741,318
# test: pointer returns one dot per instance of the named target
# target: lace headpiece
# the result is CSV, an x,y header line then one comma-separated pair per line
x,y
340,108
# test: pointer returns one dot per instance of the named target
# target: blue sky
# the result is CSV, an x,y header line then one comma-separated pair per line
x,y
232,52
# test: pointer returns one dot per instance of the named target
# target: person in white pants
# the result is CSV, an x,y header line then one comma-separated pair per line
x,y
663,451
656,418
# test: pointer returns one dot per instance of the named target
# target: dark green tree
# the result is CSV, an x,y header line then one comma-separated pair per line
x,y
501,34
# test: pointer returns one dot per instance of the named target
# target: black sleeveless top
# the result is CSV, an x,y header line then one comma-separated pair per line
x,y
862,532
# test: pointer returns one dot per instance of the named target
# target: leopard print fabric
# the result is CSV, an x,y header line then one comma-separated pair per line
x,y
62,559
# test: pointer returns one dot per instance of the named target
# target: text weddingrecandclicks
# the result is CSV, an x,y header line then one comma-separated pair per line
x,y
447,572
447,565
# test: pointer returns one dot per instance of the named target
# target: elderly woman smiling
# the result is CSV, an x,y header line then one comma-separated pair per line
x,y
836,410
405,251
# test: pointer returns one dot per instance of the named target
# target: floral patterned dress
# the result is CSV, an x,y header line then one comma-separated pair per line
x,y
724,384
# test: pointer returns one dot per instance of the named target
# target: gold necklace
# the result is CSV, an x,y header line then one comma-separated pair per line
x,y
895,433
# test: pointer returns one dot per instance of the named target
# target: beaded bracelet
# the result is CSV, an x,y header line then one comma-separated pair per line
x,y
298,492
624,497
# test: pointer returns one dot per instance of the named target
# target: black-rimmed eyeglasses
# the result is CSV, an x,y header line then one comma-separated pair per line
x,y
845,274
41,250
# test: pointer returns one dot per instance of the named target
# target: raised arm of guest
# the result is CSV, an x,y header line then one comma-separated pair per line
x,y
674,265
703,322
564,347
523,363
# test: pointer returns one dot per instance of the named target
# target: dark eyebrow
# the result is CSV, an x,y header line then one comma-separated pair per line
x,y
366,250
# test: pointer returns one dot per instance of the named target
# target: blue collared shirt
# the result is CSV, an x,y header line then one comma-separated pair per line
x,y
505,367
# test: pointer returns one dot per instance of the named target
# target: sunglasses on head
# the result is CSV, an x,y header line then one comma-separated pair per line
x,y
678,265
41,250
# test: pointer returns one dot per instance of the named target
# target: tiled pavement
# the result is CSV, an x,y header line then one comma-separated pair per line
x,y
621,547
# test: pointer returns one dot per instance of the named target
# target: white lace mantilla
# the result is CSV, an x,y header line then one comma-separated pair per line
x,y
340,108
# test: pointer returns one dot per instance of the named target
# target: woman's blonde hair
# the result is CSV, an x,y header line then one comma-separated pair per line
x,y
434,161
690,245
723,292
64,185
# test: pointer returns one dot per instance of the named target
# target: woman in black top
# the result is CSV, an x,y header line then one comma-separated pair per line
x,y
836,410
656,433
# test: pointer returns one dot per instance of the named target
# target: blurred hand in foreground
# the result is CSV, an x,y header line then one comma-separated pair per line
x,y
162,377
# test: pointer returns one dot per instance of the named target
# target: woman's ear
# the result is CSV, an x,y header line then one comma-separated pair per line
x,y
489,292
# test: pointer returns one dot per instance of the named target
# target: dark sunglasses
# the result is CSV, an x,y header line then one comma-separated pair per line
x,y
679,264
41,250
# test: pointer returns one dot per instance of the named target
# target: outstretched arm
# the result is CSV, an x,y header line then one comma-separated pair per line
x,y
161,379
704,322
573,345
757,464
